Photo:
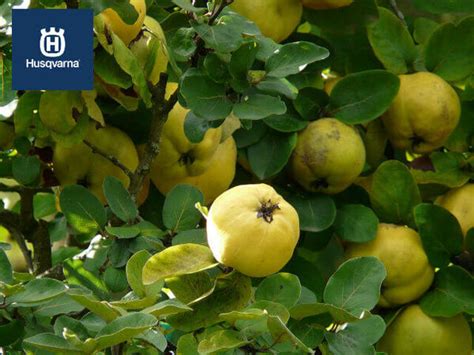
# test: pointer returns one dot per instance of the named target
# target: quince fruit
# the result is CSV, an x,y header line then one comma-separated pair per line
x,y
125,32
276,19
78,164
326,4
424,113
208,165
459,202
415,333
329,156
150,50
399,248
252,229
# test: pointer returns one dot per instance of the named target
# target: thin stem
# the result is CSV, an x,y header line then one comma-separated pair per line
x,y
110,158
161,109
397,11
217,11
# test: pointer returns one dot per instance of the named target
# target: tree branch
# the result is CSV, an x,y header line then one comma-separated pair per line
x,y
397,11
110,158
42,248
161,108
218,9
20,189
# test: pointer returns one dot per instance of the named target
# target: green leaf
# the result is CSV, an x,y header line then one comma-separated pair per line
x,y
286,123
355,286
394,193
77,274
462,137
66,322
82,209
310,103
441,7
357,338
134,270
26,170
308,330
123,329
186,5
37,291
125,10
195,127
6,270
364,96
11,332
339,315
281,334
187,344
434,225
119,200
316,212
103,309
271,154
167,308
44,205
58,305
155,338
232,292
448,169
292,58
222,340
423,28
124,232
258,106
182,43
52,343
282,288
115,279
194,236
356,223
453,293
242,60
106,67
392,43
177,260
449,50
203,96
130,65
278,86
26,112
179,212
189,288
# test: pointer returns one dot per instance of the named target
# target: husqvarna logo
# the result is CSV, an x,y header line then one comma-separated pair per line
x,y
52,42
52,49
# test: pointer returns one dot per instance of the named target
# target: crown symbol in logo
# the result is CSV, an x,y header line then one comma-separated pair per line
x,y
52,42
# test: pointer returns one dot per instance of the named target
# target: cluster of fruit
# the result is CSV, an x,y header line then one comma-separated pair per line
x,y
251,228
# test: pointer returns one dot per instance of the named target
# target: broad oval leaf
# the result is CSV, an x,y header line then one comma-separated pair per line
x,y
179,212
177,260
281,288
134,270
119,200
271,154
364,96
394,193
38,290
82,209
258,106
316,212
442,7
339,315
391,42
449,50
293,57
26,170
124,328
53,343
355,286
356,223
453,293
222,340
167,308
440,233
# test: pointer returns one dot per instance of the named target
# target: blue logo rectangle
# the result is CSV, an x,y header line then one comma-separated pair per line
x,y
52,49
